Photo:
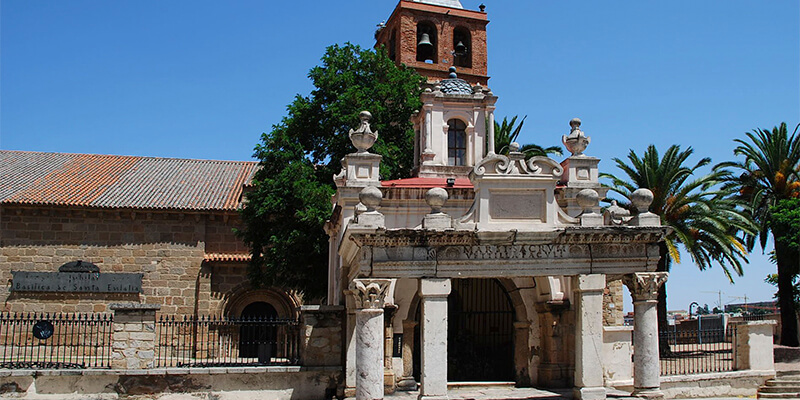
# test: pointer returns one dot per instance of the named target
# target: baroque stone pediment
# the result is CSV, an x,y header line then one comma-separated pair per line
x,y
515,164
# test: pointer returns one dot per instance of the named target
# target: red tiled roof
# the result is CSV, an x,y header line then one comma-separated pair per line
x,y
109,181
461,183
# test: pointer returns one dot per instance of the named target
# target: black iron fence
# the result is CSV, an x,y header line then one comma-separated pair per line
x,y
697,351
213,341
55,340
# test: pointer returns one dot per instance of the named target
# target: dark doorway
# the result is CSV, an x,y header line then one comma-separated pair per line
x,y
480,333
257,334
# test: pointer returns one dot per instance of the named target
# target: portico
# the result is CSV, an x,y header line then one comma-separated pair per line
x,y
534,224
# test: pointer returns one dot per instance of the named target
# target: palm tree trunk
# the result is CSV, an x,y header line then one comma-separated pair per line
x,y
663,325
789,334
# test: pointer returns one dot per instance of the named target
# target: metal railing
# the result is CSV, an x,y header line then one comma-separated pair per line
x,y
55,340
697,351
213,341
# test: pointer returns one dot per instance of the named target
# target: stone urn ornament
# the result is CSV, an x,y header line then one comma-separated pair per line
x,y
577,141
363,138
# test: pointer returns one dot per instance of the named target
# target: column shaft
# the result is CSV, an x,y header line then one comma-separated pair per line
x,y
369,354
433,374
589,336
646,365
490,134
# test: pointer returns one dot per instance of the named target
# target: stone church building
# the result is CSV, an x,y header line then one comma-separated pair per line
x,y
170,220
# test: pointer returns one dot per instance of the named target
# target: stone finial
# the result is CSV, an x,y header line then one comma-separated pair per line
x,y
438,220
641,199
588,199
513,147
577,141
370,293
644,285
436,197
452,74
370,197
363,138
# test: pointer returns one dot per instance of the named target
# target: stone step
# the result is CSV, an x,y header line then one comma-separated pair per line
x,y
795,375
782,382
479,385
778,395
779,389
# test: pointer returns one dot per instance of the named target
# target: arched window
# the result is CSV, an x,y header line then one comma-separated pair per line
x,y
426,42
462,48
456,142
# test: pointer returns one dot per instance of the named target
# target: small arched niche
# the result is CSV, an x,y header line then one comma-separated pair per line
x,y
426,42
462,48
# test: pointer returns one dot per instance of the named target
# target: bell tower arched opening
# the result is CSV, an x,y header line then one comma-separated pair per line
x,y
426,42
462,46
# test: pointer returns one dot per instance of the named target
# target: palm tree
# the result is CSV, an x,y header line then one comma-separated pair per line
x,y
768,175
506,133
704,220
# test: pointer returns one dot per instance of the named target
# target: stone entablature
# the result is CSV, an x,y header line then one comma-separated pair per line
x,y
464,254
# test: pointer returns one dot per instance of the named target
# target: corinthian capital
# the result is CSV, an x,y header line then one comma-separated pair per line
x,y
370,293
644,285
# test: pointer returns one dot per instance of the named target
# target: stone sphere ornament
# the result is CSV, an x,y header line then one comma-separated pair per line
x,y
363,138
371,197
513,147
588,199
436,197
641,199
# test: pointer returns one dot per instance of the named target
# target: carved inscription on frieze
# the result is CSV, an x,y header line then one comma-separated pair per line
x,y
506,252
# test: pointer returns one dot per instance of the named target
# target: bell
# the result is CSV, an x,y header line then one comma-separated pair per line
x,y
461,49
425,41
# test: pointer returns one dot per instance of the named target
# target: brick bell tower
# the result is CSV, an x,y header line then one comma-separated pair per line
x,y
433,35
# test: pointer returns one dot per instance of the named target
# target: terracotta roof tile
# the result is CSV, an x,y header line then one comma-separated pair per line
x,y
111,181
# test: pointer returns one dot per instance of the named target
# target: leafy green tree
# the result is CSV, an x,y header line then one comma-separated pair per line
x,y
767,176
290,198
508,131
703,219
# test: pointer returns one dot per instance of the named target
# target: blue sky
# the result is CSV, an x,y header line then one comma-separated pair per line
x,y
203,79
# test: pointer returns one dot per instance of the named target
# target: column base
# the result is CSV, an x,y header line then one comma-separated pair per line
x,y
349,392
407,384
649,393
423,397
589,393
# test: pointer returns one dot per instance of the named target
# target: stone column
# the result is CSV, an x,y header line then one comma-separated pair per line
x,y
407,382
589,336
646,368
433,374
369,295
134,339
490,133
428,154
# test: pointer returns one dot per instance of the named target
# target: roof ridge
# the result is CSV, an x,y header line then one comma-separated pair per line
x,y
130,156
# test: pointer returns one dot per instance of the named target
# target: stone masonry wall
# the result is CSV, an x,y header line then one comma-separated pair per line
x,y
168,248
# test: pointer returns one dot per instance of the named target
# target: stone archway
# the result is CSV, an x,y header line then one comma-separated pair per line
x,y
519,328
241,297
480,332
